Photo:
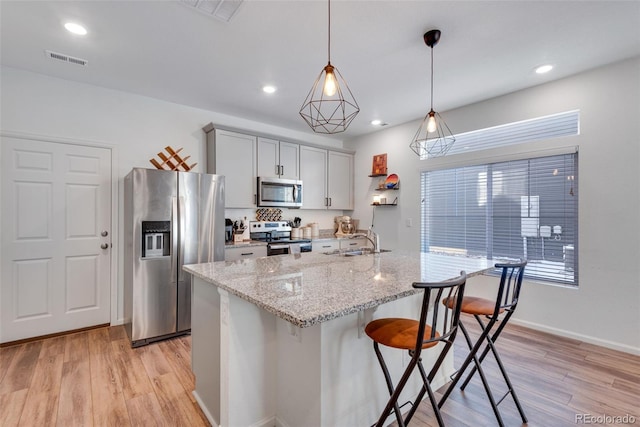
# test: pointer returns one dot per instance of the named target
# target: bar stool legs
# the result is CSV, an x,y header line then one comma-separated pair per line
x,y
491,346
411,335
508,294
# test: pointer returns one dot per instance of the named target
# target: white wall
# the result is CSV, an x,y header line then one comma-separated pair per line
x,y
605,309
136,127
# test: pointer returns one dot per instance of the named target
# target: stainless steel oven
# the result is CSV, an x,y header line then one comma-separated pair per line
x,y
277,234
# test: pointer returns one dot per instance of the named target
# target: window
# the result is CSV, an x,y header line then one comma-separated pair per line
x,y
517,209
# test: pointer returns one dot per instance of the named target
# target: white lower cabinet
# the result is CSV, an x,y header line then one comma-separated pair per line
x,y
325,246
233,254
355,243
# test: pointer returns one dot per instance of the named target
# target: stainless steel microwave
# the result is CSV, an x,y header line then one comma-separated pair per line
x,y
278,192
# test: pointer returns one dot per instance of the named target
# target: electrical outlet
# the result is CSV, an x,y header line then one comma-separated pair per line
x,y
409,222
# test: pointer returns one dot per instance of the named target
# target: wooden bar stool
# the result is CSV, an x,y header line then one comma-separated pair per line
x,y
414,336
506,301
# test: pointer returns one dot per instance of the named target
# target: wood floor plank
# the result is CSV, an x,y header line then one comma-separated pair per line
x,y
11,405
53,346
6,356
131,370
176,406
41,406
180,361
76,347
99,340
106,392
75,407
144,410
21,368
40,409
154,361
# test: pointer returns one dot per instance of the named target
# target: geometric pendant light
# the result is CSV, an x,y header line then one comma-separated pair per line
x,y
330,106
434,138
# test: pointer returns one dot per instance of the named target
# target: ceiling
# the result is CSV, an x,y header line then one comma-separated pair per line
x,y
169,51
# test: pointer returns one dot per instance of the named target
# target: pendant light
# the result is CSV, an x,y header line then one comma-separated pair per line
x,y
434,138
330,106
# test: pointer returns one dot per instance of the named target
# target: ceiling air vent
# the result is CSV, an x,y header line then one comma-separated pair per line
x,y
221,9
65,58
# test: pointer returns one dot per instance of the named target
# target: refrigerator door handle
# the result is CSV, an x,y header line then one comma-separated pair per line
x,y
183,231
174,236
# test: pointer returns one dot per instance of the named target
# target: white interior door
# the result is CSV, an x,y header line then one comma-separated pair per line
x,y
56,237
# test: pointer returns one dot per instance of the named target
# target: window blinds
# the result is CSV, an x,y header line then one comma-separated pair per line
x,y
523,209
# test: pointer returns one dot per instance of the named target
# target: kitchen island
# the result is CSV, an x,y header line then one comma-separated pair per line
x,y
280,340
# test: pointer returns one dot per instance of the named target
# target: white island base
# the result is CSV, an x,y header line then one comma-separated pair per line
x,y
255,369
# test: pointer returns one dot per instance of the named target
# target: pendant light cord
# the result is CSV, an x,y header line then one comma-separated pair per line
x,y
329,33
431,77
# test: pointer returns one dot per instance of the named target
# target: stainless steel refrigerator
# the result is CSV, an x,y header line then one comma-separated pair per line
x,y
171,219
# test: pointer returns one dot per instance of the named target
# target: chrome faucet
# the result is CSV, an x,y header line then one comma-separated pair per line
x,y
375,241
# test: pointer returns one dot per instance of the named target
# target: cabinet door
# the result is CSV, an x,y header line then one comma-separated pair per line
x,y
313,173
340,180
289,160
268,157
236,159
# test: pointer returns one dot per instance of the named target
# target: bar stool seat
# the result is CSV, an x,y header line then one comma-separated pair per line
x,y
435,326
398,333
476,305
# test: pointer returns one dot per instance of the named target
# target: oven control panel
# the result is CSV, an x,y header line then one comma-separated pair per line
x,y
268,226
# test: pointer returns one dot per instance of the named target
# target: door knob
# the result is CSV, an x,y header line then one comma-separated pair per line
x,y
105,233
104,246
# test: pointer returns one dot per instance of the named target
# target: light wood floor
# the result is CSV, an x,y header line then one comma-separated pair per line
x,y
95,378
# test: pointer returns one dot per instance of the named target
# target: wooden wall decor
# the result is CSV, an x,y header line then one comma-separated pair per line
x,y
379,166
173,161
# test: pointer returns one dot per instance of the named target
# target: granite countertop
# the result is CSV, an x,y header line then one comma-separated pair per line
x,y
244,244
310,288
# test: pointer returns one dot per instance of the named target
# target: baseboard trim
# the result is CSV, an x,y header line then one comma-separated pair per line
x,y
57,334
585,338
204,409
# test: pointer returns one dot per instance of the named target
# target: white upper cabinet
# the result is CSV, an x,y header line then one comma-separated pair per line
x,y
326,175
278,158
327,179
340,180
313,173
236,160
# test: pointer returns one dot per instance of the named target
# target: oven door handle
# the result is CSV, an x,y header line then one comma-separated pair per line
x,y
283,246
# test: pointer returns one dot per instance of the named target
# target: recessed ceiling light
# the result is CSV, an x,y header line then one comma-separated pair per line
x,y
376,122
269,89
75,28
544,69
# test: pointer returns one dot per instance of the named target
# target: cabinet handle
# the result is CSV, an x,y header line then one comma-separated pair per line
x,y
326,246
246,253
329,201
353,244
255,199
281,170
277,169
